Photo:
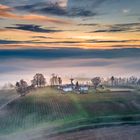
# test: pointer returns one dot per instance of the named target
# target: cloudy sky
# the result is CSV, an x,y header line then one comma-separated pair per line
x,y
69,35
69,23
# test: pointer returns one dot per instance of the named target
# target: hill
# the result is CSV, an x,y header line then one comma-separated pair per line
x,y
49,110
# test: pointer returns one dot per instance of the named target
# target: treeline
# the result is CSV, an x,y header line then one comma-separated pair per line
x,y
38,81
119,81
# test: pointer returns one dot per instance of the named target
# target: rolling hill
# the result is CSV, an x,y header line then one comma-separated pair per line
x,y
46,111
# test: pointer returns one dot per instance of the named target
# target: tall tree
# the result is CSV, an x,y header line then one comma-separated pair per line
x,y
54,80
96,81
39,80
71,81
112,80
133,80
59,80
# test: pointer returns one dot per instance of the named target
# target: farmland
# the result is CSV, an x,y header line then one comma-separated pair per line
x,y
47,110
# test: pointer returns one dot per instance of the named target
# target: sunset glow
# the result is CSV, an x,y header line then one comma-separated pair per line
x,y
62,27
70,29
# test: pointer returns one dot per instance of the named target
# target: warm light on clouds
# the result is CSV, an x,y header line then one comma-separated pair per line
x,y
68,23
81,38
6,12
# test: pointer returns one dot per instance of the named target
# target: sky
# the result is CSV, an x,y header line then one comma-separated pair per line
x,y
73,36
70,23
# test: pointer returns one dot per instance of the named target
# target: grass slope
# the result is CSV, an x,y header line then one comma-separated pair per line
x,y
48,108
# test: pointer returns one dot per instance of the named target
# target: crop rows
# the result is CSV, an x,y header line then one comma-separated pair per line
x,y
28,112
49,108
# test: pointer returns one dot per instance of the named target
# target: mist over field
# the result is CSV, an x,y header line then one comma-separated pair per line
x,y
23,64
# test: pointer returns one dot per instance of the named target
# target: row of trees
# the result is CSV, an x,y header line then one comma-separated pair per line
x,y
123,81
23,88
38,81
55,80
114,81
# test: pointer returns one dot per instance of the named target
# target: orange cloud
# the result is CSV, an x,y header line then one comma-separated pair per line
x,y
6,12
34,17
5,8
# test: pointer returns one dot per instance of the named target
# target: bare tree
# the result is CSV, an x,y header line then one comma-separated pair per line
x,y
59,81
53,80
71,81
96,81
39,80
77,85
112,80
133,80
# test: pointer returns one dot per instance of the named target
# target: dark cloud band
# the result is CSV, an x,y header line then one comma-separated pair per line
x,y
58,53
33,28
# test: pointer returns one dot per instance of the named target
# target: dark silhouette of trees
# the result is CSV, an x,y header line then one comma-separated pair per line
x,y
22,87
112,80
133,80
71,81
39,80
59,80
55,80
77,85
122,81
96,81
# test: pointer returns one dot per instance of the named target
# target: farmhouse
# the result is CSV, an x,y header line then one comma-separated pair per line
x,y
70,88
84,88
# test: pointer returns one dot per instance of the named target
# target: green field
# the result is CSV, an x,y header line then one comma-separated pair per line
x,y
56,112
